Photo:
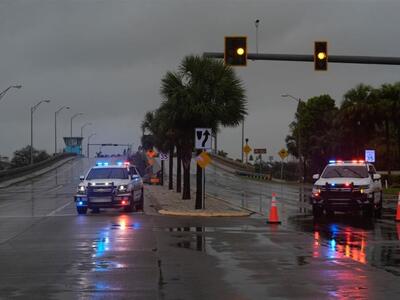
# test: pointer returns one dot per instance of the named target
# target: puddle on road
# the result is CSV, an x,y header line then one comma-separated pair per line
x,y
367,242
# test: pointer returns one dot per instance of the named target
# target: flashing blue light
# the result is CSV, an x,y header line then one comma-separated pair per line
x,y
80,203
333,244
119,163
99,163
105,164
332,161
333,184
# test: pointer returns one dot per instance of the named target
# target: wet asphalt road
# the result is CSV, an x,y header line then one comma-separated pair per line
x,y
48,252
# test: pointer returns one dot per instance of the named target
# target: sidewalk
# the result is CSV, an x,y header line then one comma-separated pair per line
x,y
7,183
168,202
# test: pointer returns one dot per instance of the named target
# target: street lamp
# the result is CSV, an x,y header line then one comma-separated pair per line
x,y
55,126
298,100
73,117
256,23
33,109
83,126
7,89
88,142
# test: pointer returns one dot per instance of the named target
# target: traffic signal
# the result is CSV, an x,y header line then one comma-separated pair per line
x,y
235,53
320,56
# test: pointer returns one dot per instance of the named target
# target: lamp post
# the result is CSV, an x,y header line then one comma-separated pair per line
x,y
256,23
7,89
83,126
298,145
88,142
242,139
55,126
33,109
73,117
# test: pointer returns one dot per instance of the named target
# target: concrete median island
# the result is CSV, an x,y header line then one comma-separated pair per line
x,y
168,202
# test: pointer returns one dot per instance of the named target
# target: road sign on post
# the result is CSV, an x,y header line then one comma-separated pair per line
x,y
163,156
283,153
260,151
203,159
370,155
202,137
246,149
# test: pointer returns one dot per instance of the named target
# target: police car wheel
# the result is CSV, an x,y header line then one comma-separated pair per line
x,y
378,208
317,211
141,202
81,210
368,211
131,206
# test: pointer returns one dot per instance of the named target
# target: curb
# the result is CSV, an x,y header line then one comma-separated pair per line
x,y
194,213
38,173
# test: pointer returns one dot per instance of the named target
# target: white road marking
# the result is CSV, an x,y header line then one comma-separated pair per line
x,y
58,209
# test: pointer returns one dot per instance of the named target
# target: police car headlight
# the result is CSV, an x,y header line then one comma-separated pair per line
x,y
364,188
122,188
81,189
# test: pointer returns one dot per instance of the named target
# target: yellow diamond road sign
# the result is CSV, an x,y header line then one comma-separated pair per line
x,y
203,159
283,153
247,149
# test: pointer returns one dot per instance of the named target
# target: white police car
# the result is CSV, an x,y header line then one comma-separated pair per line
x,y
110,186
347,186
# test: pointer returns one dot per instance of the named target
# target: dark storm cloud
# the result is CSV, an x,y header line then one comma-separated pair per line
x,y
106,59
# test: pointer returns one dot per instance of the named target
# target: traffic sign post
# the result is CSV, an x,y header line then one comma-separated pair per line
x,y
202,137
246,149
260,151
203,159
370,156
282,154
163,156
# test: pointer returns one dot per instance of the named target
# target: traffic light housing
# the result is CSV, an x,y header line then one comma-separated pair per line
x,y
235,53
320,56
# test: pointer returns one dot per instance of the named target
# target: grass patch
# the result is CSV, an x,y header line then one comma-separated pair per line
x,y
392,191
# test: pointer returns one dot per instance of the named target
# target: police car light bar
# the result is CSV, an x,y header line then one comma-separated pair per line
x,y
332,162
99,164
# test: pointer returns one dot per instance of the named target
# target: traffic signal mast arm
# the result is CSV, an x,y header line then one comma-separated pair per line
x,y
345,59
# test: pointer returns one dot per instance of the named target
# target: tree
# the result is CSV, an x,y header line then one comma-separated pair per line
x,y
22,157
202,93
314,126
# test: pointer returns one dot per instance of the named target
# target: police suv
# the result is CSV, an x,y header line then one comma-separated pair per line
x,y
347,186
110,186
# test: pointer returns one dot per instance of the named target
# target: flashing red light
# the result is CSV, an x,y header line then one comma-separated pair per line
x,y
347,184
126,163
354,161
339,161
123,202
361,161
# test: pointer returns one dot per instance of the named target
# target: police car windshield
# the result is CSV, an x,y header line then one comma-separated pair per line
x,y
108,173
345,171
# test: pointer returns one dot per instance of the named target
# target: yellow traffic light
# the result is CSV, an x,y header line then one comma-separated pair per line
x,y
235,53
320,56
240,51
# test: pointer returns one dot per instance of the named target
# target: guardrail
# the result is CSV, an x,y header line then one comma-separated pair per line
x,y
254,175
21,171
233,163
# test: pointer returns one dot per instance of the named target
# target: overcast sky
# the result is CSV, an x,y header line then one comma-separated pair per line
x,y
105,58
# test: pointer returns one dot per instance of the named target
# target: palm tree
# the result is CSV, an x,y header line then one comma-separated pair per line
x,y
357,119
202,93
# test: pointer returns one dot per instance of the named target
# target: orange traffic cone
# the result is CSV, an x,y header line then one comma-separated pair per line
x,y
273,213
398,210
